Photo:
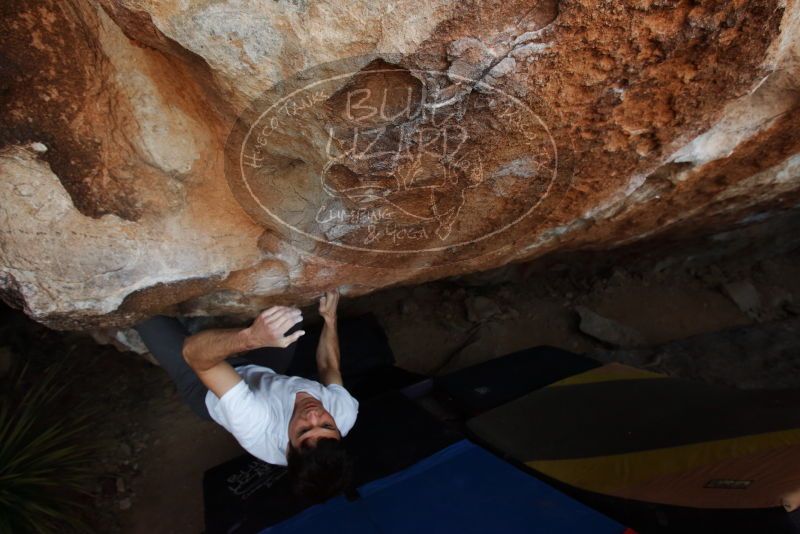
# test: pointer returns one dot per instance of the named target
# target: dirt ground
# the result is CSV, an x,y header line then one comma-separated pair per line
x,y
733,323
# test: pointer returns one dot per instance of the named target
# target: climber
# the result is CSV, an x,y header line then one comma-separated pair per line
x,y
279,419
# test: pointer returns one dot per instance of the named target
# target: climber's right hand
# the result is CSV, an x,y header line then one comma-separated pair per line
x,y
270,327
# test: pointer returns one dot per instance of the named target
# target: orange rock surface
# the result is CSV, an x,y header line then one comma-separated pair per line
x,y
208,158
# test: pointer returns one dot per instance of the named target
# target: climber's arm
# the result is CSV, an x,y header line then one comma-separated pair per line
x,y
206,351
328,357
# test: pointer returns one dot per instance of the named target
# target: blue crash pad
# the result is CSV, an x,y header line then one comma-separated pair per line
x,y
463,489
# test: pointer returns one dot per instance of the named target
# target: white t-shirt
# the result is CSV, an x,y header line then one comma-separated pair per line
x,y
257,410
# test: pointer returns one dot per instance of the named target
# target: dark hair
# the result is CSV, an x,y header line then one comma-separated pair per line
x,y
321,472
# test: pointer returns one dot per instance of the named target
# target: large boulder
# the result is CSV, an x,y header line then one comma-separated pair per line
x,y
216,157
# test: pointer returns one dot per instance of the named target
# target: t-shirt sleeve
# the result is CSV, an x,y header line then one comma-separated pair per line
x,y
244,416
343,408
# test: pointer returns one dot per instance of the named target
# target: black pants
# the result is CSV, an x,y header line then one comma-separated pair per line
x,y
164,337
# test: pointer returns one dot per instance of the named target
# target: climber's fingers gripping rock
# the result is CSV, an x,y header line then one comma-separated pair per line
x,y
270,327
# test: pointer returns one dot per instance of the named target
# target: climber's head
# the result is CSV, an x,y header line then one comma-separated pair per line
x,y
319,466
310,423
320,472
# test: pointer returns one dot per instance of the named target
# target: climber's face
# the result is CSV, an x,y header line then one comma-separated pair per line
x,y
310,422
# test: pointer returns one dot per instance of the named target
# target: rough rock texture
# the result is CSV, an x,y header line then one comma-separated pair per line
x,y
562,125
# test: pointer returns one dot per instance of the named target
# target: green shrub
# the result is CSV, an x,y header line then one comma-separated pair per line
x,y
46,455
